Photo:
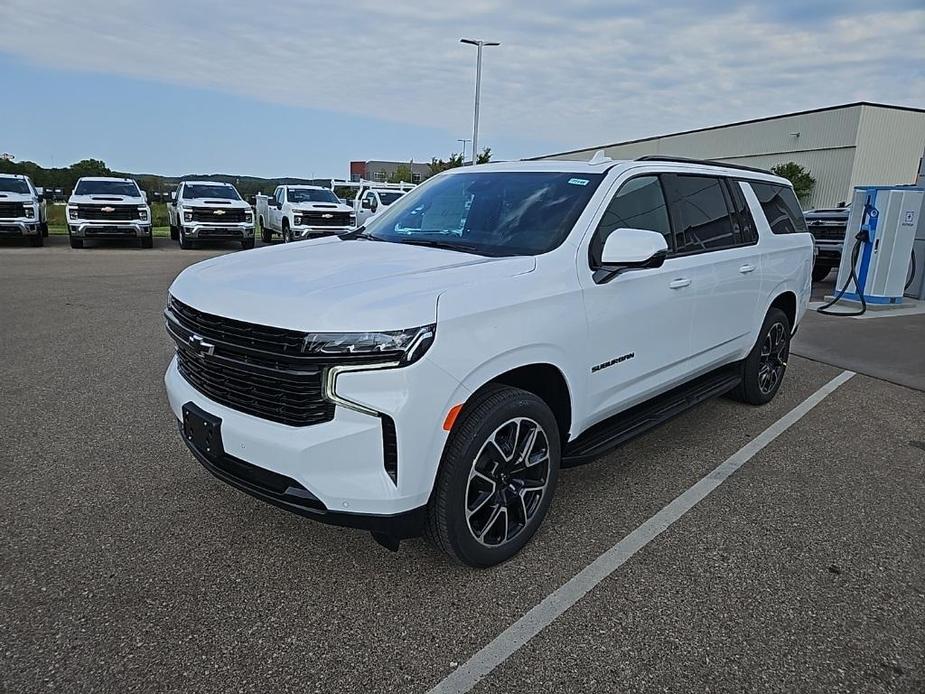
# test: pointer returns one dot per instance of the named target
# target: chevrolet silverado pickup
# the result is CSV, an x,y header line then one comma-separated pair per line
x,y
203,211
108,208
302,212
22,209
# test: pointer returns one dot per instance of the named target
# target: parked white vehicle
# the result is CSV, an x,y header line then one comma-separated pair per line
x,y
209,211
301,212
432,372
108,208
22,209
372,201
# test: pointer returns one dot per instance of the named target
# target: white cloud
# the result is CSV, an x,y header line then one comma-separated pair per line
x,y
573,73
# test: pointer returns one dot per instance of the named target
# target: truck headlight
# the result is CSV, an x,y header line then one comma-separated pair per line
x,y
248,217
187,216
29,211
72,212
296,221
402,346
143,213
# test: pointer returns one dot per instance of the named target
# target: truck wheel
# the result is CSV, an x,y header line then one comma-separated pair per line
x,y
76,243
37,240
148,241
247,244
185,243
174,233
287,235
497,477
821,270
763,369
265,234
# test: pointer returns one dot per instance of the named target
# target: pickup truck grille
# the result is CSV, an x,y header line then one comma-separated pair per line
x,y
254,369
218,215
107,213
11,209
325,219
827,230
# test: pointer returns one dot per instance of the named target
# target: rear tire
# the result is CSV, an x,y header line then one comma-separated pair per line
x,y
821,270
764,368
76,243
488,500
265,234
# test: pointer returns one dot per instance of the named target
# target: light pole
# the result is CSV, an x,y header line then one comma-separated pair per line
x,y
478,87
464,140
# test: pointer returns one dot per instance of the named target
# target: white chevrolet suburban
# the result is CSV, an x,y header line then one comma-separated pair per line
x,y
431,372
209,211
22,209
108,208
302,212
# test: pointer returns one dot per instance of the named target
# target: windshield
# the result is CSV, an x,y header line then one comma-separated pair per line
x,y
388,198
14,185
312,195
126,188
197,190
489,213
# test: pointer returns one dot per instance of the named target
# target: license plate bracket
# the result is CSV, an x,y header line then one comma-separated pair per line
x,y
203,431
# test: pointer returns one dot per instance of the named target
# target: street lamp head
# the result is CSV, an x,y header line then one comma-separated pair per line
x,y
476,42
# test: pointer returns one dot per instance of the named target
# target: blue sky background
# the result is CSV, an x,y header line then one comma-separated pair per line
x,y
300,88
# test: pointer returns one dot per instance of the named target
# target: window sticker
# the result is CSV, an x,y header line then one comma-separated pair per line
x,y
578,181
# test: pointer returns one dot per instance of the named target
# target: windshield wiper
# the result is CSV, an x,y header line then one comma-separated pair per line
x,y
448,245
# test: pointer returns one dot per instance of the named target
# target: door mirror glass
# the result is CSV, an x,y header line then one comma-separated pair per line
x,y
366,204
631,249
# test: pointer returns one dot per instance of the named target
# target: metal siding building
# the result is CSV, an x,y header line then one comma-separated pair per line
x,y
841,146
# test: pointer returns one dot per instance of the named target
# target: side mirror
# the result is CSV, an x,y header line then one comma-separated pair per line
x,y
173,196
366,204
40,192
630,249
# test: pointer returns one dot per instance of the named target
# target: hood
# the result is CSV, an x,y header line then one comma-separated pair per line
x,y
214,202
321,206
16,197
105,199
335,285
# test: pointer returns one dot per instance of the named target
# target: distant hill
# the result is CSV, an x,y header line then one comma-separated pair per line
x,y
65,178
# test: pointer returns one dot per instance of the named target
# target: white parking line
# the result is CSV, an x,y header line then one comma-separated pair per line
x,y
511,639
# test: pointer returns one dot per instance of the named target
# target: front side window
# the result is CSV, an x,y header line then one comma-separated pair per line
x,y
702,220
389,198
14,185
780,206
312,195
489,213
638,204
125,188
192,191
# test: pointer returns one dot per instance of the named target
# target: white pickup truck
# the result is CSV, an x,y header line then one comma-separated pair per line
x,y
209,211
301,212
108,208
22,209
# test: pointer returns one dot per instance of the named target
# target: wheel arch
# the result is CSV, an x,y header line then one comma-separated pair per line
x,y
786,301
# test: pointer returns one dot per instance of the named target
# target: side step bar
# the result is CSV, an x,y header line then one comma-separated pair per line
x,y
613,432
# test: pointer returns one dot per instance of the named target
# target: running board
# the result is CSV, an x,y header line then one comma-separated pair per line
x,y
613,432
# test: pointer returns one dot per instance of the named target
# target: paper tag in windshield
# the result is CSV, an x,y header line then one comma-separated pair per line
x,y
578,181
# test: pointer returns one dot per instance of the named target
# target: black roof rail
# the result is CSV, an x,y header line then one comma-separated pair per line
x,y
706,162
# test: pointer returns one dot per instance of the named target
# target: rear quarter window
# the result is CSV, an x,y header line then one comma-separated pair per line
x,y
780,207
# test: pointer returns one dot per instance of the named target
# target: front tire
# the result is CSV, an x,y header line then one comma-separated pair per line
x,y
37,240
287,234
497,477
185,243
247,244
76,243
174,233
764,367
148,241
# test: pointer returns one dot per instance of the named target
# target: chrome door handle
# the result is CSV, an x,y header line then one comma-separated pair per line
x,y
748,267
679,283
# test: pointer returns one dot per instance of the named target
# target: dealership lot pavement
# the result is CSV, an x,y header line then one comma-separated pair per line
x,y
126,567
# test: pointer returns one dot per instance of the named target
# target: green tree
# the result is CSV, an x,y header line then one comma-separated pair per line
x,y
803,182
402,174
438,165
484,156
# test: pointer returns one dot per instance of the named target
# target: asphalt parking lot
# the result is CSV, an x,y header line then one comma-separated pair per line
x,y
126,567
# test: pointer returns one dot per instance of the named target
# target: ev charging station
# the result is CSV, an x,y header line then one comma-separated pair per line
x,y
879,239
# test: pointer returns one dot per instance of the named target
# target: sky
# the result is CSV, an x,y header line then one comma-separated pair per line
x,y
299,88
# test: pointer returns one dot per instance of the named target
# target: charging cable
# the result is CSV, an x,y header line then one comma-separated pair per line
x,y
862,237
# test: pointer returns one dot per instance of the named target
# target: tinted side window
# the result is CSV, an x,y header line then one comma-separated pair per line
x,y
638,204
781,208
744,225
702,220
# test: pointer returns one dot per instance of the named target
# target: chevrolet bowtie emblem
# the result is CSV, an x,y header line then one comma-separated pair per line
x,y
219,212
327,216
200,345
108,209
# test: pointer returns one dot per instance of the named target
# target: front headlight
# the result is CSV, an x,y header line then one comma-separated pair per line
x,y
143,213
29,211
72,212
296,221
248,217
187,216
402,346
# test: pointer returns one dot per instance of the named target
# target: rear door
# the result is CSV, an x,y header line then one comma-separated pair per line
x,y
715,233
